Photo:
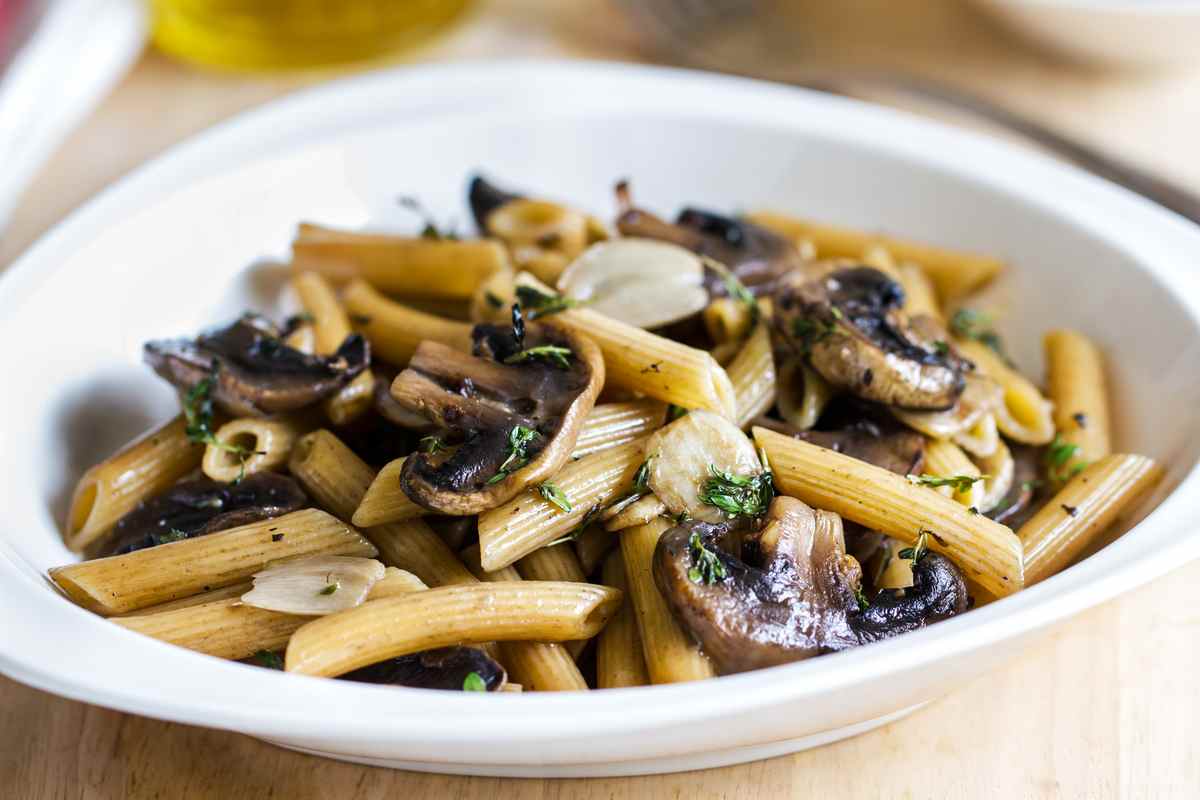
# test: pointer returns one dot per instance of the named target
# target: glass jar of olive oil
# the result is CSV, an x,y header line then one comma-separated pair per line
x,y
290,34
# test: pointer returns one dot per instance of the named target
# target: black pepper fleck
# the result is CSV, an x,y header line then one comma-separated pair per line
x,y
1072,510
275,537
1080,419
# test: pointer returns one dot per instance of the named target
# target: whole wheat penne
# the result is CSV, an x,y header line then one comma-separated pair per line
x,y
1023,415
234,590
395,330
752,372
591,545
671,655
268,443
611,424
982,439
396,581
945,459
337,479
384,500
557,562
619,658
471,613
1075,384
955,273
403,265
223,628
727,320
529,521
542,666
124,583
986,551
920,296
1082,509
981,396
114,487
653,365
802,394
999,471
331,326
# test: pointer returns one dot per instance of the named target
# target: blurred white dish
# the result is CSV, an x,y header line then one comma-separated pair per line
x,y
1140,33
188,239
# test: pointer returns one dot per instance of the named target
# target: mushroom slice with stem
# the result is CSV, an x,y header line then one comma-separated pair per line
x,y
799,598
849,325
454,668
199,506
252,371
511,413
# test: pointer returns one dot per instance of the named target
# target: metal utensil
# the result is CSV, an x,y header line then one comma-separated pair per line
x,y
714,35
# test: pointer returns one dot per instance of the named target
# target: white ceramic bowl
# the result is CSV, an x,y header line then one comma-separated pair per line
x,y
188,240
1135,33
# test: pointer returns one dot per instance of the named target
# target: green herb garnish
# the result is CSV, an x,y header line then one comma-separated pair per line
x,y
173,535
706,566
431,230
267,658
331,588
518,326
736,495
810,331
519,439
641,478
941,348
474,683
542,304
198,413
918,550
971,324
1059,453
861,597
674,412
960,483
493,299
555,495
552,353
588,518
734,287
432,444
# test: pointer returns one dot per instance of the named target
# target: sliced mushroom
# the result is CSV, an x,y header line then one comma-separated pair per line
x,y
485,197
879,442
199,506
515,424
444,668
849,324
1018,504
256,372
798,601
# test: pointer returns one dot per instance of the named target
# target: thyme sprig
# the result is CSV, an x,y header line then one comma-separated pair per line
x,y
960,483
519,439
706,566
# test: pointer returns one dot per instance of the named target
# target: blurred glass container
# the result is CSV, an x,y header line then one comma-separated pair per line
x,y
294,34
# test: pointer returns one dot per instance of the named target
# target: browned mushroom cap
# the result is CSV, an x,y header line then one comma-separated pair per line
x,y
801,600
757,256
200,506
444,668
485,197
256,373
882,442
849,325
516,423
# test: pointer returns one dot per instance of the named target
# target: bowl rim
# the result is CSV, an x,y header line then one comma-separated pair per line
x,y
335,709
1171,8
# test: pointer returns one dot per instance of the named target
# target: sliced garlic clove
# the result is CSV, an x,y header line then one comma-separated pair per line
x,y
641,282
683,454
315,586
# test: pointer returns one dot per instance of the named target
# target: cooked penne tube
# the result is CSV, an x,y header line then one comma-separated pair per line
x,y
222,628
671,655
114,487
468,614
269,443
653,365
542,666
119,584
384,500
331,326
529,521
619,658
396,581
303,338
337,479
639,512
557,562
401,265
591,545
955,273
611,424
727,320
920,296
1089,503
999,471
802,394
234,590
1023,415
945,459
395,330
982,439
1076,386
752,373
986,551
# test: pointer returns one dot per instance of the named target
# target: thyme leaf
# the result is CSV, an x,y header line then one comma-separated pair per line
x,y
706,566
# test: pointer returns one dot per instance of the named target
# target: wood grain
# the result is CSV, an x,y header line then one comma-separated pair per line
x,y
1106,706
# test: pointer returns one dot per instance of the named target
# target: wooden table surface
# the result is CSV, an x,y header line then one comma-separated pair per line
x,y
1106,706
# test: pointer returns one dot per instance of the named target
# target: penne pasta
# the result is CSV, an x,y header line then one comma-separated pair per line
x,y
114,487
955,273
591,545
670,654
384,500
468,614
986,551
982,439
727,320
920,296
403,265
396,581
222,628
1088,504
234,590
119,584
1076,386
331,326
269,443
752,373
337,479
639,512
395,330
529,521
1023,414
653,365
980,397
611,424
557,562
999,471
945,459
802,394
619,658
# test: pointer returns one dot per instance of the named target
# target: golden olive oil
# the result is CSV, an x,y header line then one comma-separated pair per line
x,y
293,34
